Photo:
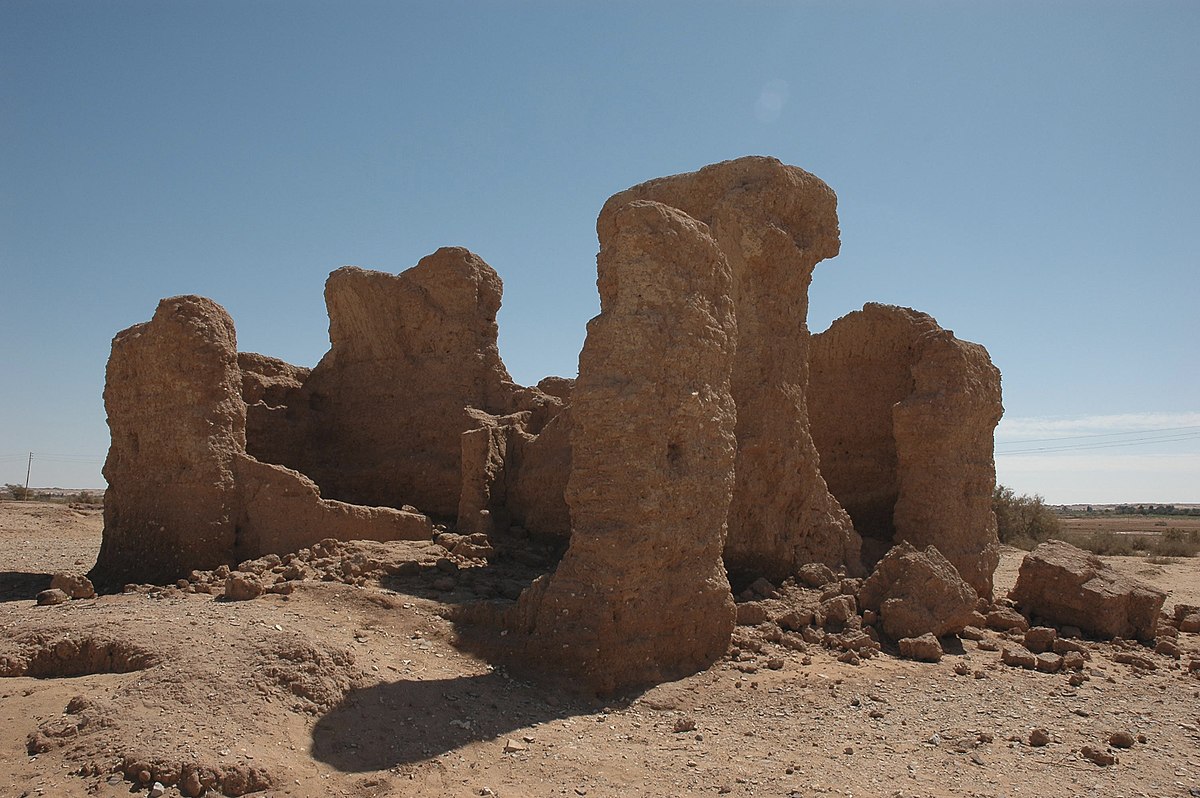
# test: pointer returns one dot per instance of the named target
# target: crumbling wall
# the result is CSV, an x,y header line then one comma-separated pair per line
x,y
515,474
282,511
271,390
903,415
182,492
381,415
173,397
773,223
641,594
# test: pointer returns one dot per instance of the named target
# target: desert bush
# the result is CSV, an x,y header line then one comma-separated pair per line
x,y
1023,521
18,492
1176,543
1105,542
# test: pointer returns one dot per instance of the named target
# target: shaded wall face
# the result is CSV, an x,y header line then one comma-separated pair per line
x,y
860,368
173,398
903,414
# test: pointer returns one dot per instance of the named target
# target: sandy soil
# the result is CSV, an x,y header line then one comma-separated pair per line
x,y
343,689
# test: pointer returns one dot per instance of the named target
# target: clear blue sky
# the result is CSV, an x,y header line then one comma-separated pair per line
x,y
1027,172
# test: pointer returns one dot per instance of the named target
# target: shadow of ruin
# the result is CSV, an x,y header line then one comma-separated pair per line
x,y
599,521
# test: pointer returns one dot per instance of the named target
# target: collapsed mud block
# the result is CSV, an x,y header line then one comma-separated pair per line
x,y
1061,585
903,415
915,592
641,594
773,223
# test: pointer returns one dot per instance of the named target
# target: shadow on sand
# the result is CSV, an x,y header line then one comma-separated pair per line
x,y
397,723
22,586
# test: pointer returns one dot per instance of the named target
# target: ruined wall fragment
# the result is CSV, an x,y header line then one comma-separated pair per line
x,y
773,223
383,411
1062,585
903,415
173,398
271,390
641,594
183,493
514,474
282,511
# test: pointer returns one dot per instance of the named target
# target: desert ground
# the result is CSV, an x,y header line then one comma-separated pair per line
x,y
1129,524
356,683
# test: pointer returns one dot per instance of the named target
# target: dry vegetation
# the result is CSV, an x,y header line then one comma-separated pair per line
x,y
1025,521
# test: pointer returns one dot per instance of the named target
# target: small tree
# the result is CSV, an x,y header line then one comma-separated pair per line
x,y
18,492
1023,521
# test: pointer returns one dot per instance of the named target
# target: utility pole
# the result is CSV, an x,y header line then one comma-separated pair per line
x,y
28,468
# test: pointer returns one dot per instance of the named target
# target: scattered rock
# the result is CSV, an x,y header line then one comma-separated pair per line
x,y
925,648
816,574
1097,755
1136,660
1049,663
1167,647
242,587
48,598
1062,584
1002,619
917,592
1018,656
1121,739
751,613
1040,639
77,586
684,724
1039,737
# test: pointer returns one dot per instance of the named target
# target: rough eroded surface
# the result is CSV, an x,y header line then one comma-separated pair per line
x,y
183,494
917,592
380,417
641,594
175,412
773,223
903,415
1066,586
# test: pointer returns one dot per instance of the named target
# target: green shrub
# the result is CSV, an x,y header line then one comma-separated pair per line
x,y
1023,521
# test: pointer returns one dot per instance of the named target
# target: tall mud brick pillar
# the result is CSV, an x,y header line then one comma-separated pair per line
x,y
641,595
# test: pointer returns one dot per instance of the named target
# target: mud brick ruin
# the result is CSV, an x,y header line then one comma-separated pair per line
x,y
707,439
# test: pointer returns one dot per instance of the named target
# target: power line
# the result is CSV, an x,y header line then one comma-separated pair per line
x,y
1097,435
53,459
1110,445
